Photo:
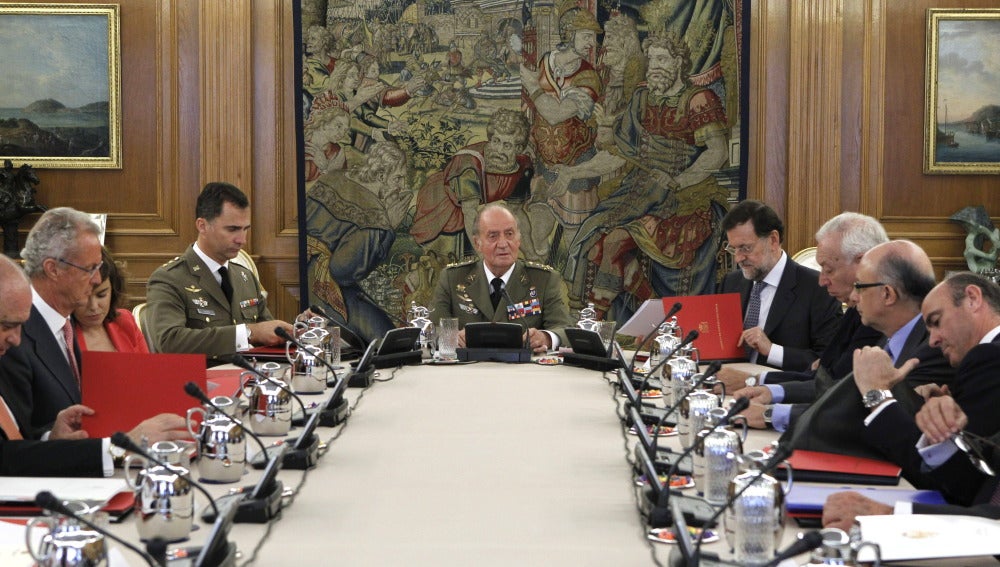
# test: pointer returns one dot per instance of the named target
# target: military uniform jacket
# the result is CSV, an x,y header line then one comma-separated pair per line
x,y
187,311
537,292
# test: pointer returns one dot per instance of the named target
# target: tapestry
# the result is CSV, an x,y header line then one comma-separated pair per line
x,y
611,130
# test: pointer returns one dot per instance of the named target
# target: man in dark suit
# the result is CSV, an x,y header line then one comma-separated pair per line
x,y
536,293
788,318
893,279
201,302
67,452
840,244
62,258
963,317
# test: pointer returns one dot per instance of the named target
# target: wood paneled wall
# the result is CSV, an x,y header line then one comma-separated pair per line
x,y
836,123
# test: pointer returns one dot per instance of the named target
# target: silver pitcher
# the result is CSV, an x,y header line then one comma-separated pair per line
x,y
308,374
221,441
678,375
839,549
668,336
755,521
164,496
68,542
270,407
694,414
715,458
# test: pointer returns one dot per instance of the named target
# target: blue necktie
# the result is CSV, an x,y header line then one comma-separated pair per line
x,y
753,312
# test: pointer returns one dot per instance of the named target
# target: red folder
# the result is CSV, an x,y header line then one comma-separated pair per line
x,y
717,318
817,466
125,388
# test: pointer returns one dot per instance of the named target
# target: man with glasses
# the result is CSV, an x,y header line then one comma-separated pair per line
x,y
892,281
962,315
62,258
788,318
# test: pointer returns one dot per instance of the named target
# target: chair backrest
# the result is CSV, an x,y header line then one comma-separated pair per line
x,y
101,220
139,313
244,259
807,257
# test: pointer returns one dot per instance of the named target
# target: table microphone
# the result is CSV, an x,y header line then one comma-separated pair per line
x,y
713,367
119,439
739,406
673,311
194,391
352,337
48,501
781,452
808,542
688,339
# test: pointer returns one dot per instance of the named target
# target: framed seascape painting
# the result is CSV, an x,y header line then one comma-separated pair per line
x,y
60,94
962,94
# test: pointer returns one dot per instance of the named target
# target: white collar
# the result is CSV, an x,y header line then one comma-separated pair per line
x,y
505,277
55,320
988,337
773,278
213,266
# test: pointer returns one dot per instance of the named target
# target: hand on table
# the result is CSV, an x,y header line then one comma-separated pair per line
x,y
756,394
842,508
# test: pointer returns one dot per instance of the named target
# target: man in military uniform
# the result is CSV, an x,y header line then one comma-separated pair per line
x,y
202,302
473,291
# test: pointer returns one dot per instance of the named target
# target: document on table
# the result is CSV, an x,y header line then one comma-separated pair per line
x,y
928,536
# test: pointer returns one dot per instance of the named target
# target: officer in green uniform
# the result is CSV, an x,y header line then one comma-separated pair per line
x,y
189,308
536,295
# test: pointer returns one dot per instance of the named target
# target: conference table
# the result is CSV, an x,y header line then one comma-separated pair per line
x,y
479,464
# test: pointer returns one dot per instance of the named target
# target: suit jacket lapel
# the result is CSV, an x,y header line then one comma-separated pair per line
x,y
479,290
783,297
48,351
917,336
206,279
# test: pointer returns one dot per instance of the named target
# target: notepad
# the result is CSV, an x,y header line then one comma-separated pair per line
x,y
126,388
817,466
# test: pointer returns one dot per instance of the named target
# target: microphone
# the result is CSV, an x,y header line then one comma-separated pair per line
x,y
48,501
688,339
808,542
673,311
781,452
346,333
119,439
194,391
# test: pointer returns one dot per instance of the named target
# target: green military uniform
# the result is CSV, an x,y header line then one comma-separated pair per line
x,y
537,292
187,310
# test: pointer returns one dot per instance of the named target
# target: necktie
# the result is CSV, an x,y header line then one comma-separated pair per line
x,y
497,293
753,313
227,286
7,422
70,355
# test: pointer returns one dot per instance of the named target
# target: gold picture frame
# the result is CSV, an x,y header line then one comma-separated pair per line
x,y
962,107
60,107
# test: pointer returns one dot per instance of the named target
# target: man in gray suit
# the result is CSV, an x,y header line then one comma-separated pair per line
x,y
200,302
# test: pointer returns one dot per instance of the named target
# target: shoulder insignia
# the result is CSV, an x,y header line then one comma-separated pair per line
x,y
539,266
463,262
172,263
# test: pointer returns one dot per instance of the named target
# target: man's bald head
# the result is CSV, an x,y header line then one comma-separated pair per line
x,y
16,305
904,266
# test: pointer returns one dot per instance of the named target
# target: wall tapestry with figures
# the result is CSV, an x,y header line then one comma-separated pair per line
x,y
611,129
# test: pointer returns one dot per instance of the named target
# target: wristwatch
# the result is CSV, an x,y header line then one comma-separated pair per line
x,y
117,455
768,414
874,398
751,380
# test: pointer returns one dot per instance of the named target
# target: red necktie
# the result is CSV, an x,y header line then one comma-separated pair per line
x,y
70,355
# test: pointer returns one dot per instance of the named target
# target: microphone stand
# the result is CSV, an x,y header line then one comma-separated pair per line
x,y
48,501
119,439
269,505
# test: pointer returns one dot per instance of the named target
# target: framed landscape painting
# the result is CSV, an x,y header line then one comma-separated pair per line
x,y
962,95
60,92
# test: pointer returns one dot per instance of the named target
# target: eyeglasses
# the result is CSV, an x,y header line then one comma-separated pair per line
x,y
860,286
971,445
743,249
89,271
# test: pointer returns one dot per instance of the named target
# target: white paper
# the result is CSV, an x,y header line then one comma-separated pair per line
x,y
91,490
645,320
928,536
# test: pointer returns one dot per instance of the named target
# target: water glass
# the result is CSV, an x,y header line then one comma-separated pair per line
x,y
606,330
448,338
